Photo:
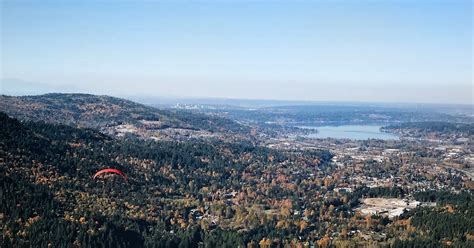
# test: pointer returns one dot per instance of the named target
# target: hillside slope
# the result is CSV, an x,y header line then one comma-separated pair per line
x,y
49,197
85,110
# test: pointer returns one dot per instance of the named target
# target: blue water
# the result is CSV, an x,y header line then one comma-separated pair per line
x,y
354,132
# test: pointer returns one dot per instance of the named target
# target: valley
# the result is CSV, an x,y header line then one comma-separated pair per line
x,y
208,179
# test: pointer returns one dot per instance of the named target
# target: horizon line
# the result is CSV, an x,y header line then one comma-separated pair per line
x,y
134,97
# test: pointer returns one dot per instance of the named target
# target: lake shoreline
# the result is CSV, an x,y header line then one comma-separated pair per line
x,y
353,132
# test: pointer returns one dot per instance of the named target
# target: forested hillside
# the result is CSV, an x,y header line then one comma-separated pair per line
x,y
94,111
49,197
432,126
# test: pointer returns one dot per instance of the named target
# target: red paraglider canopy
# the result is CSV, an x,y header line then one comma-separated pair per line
x,y
110,171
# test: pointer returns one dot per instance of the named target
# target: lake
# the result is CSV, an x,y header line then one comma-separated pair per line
x,y
354,132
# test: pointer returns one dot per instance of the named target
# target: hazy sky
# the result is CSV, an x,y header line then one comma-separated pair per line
x,y
395,51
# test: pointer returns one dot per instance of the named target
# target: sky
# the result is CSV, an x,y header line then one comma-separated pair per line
x,y
371,51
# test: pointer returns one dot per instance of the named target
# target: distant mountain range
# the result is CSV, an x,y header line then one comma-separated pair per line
x,y
18,87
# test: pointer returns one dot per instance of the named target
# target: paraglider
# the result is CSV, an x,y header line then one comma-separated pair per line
x,y
110,171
